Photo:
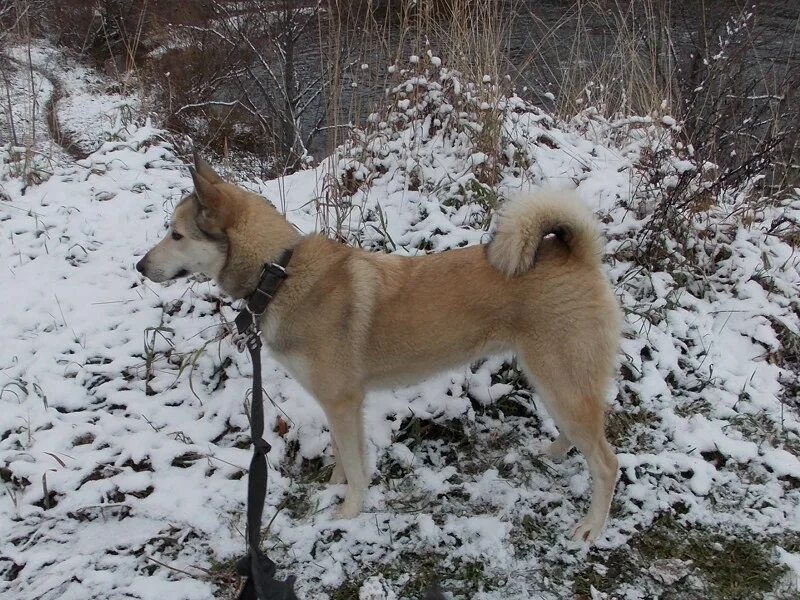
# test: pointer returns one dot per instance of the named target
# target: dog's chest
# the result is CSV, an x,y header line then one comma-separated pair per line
x,y
295,365
280,348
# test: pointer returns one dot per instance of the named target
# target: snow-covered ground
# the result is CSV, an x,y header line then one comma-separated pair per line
x,y
123,430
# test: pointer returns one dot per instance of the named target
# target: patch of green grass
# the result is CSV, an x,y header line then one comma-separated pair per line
x,y
225,578
625,429
411,575
534,529
297,503
414,431
223,566
695,407
789,353
616,568
729,566
306,470
760,428
511,405
348,590
517,403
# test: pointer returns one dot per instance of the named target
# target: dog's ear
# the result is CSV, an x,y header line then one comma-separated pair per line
x,y
205,169
214,212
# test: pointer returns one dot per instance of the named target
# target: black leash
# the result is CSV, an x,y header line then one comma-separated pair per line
x,y
257,567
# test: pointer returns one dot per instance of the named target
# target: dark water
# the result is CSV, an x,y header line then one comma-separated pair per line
x,y
537,50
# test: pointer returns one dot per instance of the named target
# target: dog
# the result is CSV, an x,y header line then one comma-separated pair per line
x,y
346,320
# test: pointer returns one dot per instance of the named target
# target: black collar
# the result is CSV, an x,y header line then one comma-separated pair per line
x,y
255,305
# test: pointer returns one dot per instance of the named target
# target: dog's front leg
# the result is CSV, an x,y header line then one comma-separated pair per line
x,y
337,475
344,418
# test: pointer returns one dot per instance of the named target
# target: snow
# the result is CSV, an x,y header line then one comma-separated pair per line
x,y
375,589
127,401
792,561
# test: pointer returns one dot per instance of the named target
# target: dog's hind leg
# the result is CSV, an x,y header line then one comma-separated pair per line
x,y
345,420
604,468
580,417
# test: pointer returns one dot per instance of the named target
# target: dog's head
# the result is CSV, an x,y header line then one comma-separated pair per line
x,y
196,241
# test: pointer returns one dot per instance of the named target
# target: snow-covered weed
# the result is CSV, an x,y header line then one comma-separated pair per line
x,y
440,135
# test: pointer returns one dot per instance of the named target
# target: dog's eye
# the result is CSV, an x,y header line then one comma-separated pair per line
x,y
176,235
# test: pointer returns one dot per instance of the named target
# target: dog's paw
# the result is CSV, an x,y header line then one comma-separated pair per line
x,y
337,475
558,449
588,529
347,512
353,502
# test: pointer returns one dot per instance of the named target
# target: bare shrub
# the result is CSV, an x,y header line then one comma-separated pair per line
x,y
737,106
29,151
437,134
738,130
730,123
402,49
233,80
116,34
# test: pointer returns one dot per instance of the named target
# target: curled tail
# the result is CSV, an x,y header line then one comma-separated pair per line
x,y
526,220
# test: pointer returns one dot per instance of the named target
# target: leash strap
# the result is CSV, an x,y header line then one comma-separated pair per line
x,y
257,567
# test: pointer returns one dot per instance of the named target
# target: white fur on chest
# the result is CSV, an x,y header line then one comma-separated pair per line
x,y
269,328
294,363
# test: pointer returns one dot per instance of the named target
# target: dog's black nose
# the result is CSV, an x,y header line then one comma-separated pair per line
x,y
140,266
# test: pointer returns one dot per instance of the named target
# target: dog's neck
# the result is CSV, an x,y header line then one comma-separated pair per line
x,y
253,242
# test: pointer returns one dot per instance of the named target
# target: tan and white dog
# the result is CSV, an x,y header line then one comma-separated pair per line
x,y
346,321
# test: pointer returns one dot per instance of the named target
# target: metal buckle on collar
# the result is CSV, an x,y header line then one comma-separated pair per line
x,y
274,268
240,341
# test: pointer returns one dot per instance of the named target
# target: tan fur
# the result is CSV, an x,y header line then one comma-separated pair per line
x,y
526,220
346,321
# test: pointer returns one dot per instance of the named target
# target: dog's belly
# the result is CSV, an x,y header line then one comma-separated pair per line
x,y
405,365
412,374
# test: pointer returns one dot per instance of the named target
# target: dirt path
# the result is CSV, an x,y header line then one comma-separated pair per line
x,y
61,137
